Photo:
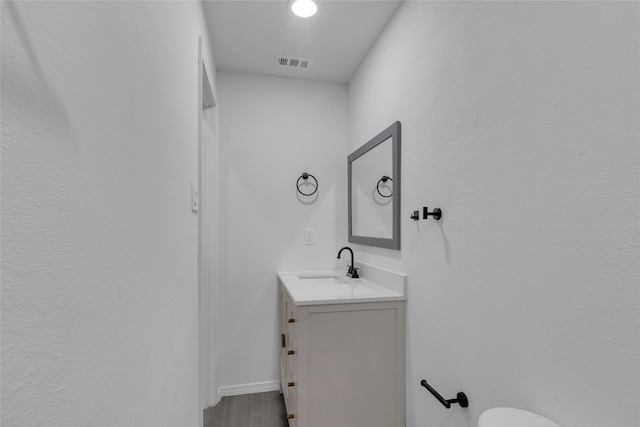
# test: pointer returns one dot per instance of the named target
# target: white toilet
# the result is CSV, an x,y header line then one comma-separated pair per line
x,y
512,417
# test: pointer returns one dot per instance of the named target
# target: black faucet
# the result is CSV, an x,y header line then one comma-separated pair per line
x,y
352,271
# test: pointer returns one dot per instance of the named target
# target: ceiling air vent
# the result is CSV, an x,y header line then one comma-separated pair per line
x,y
285,61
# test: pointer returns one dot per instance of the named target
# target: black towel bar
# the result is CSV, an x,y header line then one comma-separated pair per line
x,y
461,398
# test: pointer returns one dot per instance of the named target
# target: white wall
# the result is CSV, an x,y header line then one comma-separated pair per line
x,y
520,121
271,131
99,245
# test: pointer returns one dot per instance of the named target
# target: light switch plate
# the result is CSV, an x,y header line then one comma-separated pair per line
x,y
195,198
308,236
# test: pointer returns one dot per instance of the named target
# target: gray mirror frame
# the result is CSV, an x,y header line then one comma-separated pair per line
x,y
392,132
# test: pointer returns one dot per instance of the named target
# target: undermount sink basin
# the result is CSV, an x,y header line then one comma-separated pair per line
x,y
330,287
319,276
324,280
321,284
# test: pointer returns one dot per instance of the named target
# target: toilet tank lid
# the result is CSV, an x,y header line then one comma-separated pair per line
x,y
510,417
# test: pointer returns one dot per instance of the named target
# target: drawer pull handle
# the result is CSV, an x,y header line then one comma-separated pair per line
x,y
290,352
290,416
291,321
291,384
283,341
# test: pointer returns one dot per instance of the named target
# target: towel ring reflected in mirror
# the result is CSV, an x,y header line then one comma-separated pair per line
x,y
384,180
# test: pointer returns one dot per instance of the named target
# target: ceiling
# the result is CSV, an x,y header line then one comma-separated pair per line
x,y
246,36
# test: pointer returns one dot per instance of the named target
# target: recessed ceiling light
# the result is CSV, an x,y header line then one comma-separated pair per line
x,y
303,8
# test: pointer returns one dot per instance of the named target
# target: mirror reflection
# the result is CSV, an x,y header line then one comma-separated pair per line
x,y
371,197
374,191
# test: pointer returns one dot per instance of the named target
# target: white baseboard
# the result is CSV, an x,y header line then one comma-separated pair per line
x,y
235,390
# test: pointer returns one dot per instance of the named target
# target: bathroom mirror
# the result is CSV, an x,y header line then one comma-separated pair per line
x,y
374,191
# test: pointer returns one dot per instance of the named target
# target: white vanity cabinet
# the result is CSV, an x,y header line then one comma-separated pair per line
x,y
288,356
342,364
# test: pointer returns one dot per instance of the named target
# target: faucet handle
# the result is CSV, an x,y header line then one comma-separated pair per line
x,y
354,273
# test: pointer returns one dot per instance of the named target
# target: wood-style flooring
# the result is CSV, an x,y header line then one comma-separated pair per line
x,y
248,410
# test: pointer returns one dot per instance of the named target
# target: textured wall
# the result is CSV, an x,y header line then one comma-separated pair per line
x,y
520,121
99,245
271,131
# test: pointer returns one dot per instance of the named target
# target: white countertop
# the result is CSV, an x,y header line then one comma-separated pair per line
x,y
329,287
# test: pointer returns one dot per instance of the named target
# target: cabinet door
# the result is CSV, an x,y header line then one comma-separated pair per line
x,y
291,392
353,360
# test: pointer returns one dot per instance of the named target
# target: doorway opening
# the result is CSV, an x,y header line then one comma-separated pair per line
x,y
207,237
